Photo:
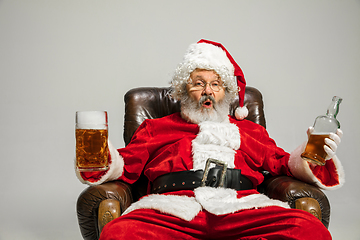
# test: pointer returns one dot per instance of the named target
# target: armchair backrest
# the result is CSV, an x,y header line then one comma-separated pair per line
x,y
150,102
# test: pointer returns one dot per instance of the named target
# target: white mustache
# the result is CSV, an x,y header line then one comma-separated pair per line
x,y
205,98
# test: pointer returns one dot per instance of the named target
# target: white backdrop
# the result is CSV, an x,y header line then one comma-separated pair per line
x,y
57,57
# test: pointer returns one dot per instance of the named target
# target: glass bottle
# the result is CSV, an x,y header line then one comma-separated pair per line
x,y
323,126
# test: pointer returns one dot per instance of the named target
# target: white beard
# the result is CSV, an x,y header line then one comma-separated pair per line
x,y
194,112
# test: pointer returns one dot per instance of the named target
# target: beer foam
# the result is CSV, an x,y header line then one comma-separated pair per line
x,y
320,133
91,119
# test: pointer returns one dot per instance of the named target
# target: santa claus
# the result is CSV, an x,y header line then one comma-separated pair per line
x,y
191,199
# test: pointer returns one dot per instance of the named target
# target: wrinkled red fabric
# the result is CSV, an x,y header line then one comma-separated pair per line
x,y
264,223
161,146
327,174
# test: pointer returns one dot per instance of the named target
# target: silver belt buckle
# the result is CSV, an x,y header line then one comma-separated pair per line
x,y
207,168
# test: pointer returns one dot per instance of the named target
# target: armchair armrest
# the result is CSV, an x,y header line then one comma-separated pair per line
x,y
112,195
299,195
99,204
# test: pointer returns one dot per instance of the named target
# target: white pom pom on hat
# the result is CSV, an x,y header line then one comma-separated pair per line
x,y
241,112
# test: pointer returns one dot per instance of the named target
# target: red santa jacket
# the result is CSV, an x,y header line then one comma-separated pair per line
x,y
171,144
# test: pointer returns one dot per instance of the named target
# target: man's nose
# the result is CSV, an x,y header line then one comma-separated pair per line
x,y
207,90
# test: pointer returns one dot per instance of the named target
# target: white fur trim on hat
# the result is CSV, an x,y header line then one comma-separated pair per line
x,y
209,57
205,56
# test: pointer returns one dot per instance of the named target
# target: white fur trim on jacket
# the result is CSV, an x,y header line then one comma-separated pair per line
x,y
183,207
221,201
215,140
301,170
116,168
217,201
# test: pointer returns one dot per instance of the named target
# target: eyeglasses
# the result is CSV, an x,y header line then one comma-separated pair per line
x,y
199,85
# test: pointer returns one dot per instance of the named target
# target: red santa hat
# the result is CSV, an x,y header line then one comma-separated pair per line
x,y
210,55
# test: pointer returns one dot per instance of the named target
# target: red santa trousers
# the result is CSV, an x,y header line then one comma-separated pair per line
x,y
263,223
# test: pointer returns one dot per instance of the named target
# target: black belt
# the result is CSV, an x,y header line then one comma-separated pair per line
x,y
189,180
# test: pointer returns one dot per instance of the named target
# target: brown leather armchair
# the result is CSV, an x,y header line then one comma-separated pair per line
x,y
97,205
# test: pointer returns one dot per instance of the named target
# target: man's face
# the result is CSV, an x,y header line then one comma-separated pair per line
x,y
213,90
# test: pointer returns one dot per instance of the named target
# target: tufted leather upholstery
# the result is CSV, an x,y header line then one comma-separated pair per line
x,y
148,103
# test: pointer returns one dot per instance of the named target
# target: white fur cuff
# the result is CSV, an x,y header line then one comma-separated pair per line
x,y
301,170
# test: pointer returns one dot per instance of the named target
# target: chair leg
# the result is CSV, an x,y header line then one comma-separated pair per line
x,y
310,205
109,209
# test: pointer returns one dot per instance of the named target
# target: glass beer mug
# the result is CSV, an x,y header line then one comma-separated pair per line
x,y
91,141
323,126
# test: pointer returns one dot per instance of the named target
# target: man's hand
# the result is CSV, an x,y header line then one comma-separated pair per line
x,y
331,143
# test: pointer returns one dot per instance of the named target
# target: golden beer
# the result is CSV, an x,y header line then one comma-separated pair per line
x,y
314,151
91,149
91,141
